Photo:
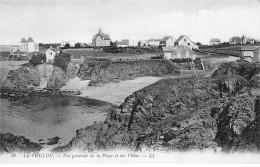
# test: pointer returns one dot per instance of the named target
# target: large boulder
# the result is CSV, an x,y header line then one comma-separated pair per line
x,y
10,143
57,80
22,78
59,77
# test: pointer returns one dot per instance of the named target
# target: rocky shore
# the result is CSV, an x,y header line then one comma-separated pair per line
x,y
11,143
217,114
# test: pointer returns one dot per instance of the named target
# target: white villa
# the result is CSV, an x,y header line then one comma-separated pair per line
x,y
183,40
28,45
51,53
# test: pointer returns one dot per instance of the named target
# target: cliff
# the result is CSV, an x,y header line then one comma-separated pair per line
x,y
43,76
176,115
103,70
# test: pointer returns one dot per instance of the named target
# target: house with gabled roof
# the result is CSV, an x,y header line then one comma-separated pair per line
x,y
167,41
214,41
101,39
183,40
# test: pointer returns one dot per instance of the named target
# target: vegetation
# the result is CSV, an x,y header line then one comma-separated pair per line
x,y
62,60
37,59
77,45
67,46
157,57
183,60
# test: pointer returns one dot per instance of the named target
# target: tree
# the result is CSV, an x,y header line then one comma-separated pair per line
x,y
36,60
67,46
77,45
62,60
198,43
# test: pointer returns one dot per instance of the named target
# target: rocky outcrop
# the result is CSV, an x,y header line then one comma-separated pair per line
x,y
44,75
84,140
103,70
217,114
246,70
22,79
11,143
60,77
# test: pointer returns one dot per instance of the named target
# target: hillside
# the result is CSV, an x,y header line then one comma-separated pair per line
x,y
104,71
177,115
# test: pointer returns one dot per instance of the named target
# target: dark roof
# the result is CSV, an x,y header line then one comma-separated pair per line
x,y
30,39
178,40
237,39
102,35
23,40
166,38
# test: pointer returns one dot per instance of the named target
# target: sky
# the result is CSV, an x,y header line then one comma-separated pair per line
x,y
51,21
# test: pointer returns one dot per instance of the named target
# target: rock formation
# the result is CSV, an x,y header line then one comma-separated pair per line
x,y
10,143
103,70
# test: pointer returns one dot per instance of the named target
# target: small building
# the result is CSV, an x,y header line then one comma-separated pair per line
x,y
178,52
167,41
153,42
235,41
214,41
125,43
100,39
71,43
16,53
143,43
250,53
183,40
51,53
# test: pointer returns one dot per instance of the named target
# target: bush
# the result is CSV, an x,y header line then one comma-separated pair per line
x,y
183,60
37,59
62,60
157,57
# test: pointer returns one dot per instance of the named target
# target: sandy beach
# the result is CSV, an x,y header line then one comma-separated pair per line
x,y
114,93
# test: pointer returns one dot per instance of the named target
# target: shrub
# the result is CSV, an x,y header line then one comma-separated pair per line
x,y
37,59
183,60
62,60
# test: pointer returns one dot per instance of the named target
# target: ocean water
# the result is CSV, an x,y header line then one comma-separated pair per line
x,y
42,117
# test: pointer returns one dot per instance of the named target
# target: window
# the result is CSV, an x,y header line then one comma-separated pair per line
x,y
188,44
185,39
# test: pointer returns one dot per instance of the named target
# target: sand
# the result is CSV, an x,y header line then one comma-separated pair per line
x,y
114,93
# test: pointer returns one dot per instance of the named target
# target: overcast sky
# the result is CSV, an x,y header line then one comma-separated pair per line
x,y
50,21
